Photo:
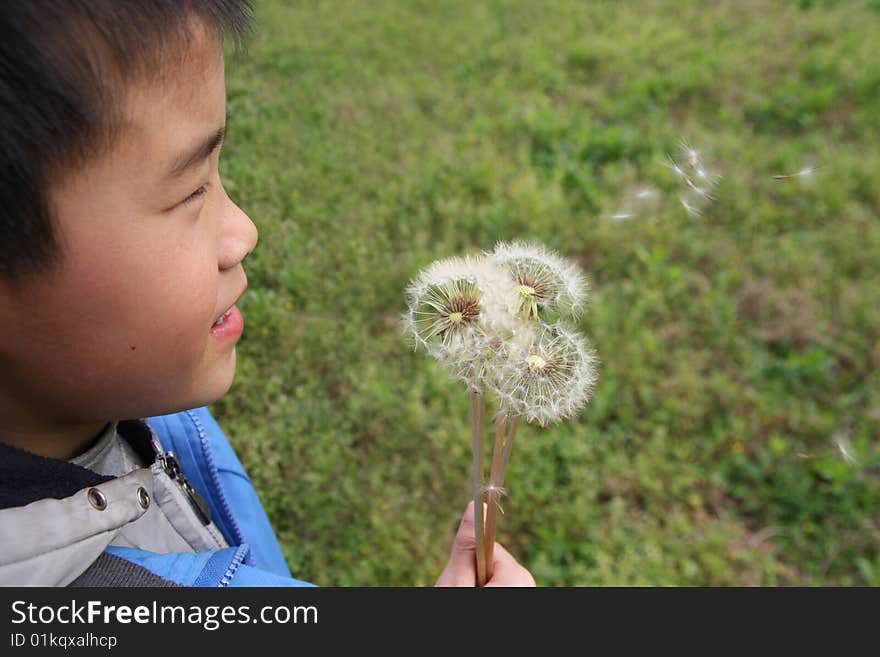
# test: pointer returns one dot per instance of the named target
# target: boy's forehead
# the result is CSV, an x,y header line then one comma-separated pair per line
x,y
164,114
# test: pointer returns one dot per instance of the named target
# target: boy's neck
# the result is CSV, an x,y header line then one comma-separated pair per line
x,y
61,443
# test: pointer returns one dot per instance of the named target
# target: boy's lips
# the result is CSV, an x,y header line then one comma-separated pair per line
x,y
231,327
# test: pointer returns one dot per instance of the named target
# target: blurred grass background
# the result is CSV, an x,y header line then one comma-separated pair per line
x,y
738,347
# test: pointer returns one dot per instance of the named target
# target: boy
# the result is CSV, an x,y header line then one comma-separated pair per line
x,y
120,269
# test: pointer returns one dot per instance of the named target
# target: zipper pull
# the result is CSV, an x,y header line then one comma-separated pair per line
x,y
171,466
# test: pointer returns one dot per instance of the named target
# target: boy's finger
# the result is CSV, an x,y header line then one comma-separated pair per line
x,y
461,570
465,539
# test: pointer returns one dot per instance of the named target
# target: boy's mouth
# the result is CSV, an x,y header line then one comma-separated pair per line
x,y
230,325
222,318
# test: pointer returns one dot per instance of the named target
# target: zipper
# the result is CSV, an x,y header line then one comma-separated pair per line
x,y
225,508
237,558
171,466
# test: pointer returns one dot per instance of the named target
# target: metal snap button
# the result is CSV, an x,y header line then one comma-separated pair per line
x,y
143,497
97,499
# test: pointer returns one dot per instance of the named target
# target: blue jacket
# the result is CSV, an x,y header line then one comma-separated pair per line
x,y
213,468
33,488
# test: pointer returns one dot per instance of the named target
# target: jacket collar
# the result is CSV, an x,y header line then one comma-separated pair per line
x,y
26,477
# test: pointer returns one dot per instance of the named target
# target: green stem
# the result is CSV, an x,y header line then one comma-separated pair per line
x,y
496,482
493,496
477,406
505,457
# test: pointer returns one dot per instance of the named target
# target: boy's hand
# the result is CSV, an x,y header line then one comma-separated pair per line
x,y
462,567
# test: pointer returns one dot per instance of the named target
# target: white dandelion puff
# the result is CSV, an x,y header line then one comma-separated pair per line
x,y
546,374
479,317
460,310
546,282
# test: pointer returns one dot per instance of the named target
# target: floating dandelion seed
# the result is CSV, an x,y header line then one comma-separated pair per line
x,y
493,494
803,173
691,209
636,202
698,180
672,164
547,374
691,155
704,193
844,446
545,282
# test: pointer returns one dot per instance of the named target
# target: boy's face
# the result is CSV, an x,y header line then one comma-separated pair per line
x,y
151,257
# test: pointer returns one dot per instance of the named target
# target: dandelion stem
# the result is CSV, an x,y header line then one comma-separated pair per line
x,y
494,493
496,483
505,457
499,446
477,409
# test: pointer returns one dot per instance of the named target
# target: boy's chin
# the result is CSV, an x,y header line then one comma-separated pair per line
x,y
222,379
214,384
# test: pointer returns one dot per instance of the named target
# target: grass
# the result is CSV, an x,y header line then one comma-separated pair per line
x,y
368,139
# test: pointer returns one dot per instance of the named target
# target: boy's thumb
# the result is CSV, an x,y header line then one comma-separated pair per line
x,y
465,538
464,546
462,567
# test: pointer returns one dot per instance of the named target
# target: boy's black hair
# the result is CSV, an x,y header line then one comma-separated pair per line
x,y
63,64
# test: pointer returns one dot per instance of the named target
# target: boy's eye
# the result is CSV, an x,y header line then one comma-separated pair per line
x,y
195,196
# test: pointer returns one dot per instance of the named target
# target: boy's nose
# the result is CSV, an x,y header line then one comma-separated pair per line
x,y
239,235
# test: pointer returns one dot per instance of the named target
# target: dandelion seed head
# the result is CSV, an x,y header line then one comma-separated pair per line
x,y
443,301
545,374
545,281
536,363
528,296
460,310
621,216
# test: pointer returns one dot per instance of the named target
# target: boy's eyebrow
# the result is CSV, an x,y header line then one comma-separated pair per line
x,y
198,154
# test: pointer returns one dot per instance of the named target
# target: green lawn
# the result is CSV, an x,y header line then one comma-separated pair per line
x,y
738,347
